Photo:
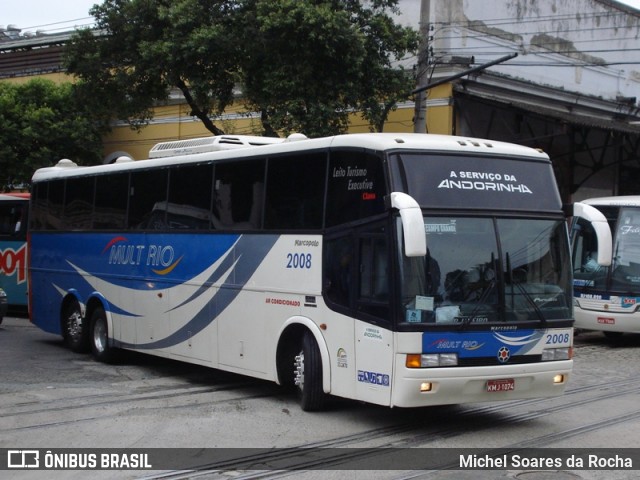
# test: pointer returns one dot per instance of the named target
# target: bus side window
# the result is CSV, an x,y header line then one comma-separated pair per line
x,y
6,219
110,208
54,205
295,191
356,187
373,275
78,208
338,270
238,195
189,205
148,189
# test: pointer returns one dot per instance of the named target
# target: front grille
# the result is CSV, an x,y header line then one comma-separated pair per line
x,y
492,361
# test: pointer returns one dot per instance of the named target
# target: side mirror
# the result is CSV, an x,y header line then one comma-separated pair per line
x,y
415,239
601,227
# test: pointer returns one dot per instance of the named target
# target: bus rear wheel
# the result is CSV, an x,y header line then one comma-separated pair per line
x,y
74,328
308,375
99,337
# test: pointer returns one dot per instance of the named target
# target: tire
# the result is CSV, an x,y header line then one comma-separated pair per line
x,y
308,375
99,337
75,330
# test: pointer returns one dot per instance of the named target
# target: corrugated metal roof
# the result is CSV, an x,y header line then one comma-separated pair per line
x,y
593,119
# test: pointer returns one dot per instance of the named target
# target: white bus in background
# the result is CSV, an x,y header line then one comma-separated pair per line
x,y
398,269
607,298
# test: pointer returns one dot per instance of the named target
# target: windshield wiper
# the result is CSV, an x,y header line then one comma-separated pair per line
x,y
485,294
524,292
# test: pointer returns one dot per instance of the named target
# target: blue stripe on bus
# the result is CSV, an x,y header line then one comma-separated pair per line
x,y
473,344
248,253
112,276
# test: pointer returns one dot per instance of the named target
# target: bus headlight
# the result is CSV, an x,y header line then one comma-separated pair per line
x,y
551,354
430,360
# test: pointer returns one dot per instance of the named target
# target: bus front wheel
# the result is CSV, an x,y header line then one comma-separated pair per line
x,y
308,374
99,337
74,328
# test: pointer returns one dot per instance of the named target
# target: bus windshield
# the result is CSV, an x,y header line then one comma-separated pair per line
x,y
487,270
626,251
624,272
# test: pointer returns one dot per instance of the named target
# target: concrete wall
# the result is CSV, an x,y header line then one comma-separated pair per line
x,y
575,45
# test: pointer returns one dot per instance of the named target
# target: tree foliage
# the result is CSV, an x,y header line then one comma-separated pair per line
x,y
303,65
41,123
308,64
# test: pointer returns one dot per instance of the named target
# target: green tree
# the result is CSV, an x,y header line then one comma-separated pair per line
x,y
42,123
142,49
308,64
304,65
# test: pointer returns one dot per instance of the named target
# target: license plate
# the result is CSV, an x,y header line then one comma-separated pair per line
x,y
607,321
502,385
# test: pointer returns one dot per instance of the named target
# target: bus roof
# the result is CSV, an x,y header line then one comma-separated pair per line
x,y
371,141
620,201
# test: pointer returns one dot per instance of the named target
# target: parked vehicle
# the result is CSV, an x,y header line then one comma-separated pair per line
x,y
3,304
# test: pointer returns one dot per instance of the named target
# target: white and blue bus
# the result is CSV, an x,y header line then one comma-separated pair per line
x,y
607,298
398,269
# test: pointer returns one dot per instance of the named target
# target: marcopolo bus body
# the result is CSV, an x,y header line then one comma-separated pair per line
x,y
398,269
14,208
607,298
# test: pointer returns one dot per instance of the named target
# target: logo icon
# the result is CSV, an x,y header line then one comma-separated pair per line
x,y
23,459
503,354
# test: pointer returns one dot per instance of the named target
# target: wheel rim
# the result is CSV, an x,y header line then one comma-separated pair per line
x,y
74,325
298,372
100,336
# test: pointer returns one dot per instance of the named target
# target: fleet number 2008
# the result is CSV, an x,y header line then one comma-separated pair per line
x,y
298,260
557,338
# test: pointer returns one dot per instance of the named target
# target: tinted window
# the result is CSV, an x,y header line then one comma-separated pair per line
x,y
238,195
295,191
373,290
356,187
12,219
339,268
78,210
110,208
189,204
147,201
54,205
37,219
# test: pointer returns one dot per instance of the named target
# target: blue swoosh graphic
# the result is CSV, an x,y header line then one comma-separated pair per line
x,y
248,253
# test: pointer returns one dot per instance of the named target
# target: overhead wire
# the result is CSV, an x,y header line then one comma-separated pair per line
x,y
457,31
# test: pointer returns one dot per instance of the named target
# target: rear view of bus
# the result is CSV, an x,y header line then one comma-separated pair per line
x,y
607,298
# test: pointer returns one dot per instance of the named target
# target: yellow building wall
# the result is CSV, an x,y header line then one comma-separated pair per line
x,y
440,114
173,122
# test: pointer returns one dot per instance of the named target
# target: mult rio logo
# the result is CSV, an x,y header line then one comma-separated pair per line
x,y
122,253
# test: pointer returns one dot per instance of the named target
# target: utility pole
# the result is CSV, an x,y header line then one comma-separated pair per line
x,y
420,114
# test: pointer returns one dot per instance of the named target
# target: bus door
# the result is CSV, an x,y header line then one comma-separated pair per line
x,y
373,335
